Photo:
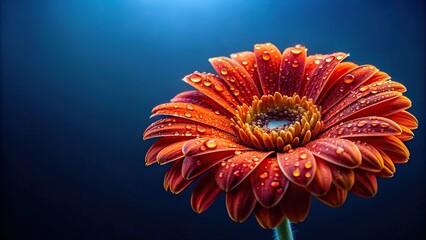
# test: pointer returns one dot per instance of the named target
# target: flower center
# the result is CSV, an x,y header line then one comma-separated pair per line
x,y
278,123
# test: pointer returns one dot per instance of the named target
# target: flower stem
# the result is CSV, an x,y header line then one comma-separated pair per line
x,y
283,231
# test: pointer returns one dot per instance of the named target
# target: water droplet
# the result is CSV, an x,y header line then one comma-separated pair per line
x,y
362,123
329,59
223,71
266,56
296,51
237,173
339,150
189,107
221,174
201,129
264,175
207,83
199,163
303,156
187,114
296,164
177,134
340,57
384,125
375,123
238,152
275,184
308,164
232,79
236,92
295,65
244,62
280,190
317,61
308,175
296,173
364,88
188,133
188,126
195,78
211,144
348,78
218,87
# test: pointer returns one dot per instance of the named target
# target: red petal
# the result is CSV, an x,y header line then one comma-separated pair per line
x,y
269,217
310,65
347,83
404,118
151,155
179,127
343,178
335,197
341,69
194,113
377,105
372,161
194,166
296,203
238,79
173,178
364,95
269,183
198,98
202,146
341,152
240,202
322,179
268,60
291,71
388,166
171,153
365,184
364,127
321,73
233,171
205,193
392,146
248,61
298,166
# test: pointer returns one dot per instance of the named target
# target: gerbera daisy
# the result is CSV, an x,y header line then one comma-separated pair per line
x,y
272,129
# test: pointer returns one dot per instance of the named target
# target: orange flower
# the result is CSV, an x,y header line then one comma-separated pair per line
x,y
273,129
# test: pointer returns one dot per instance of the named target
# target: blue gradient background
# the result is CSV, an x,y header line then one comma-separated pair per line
x,y
79,79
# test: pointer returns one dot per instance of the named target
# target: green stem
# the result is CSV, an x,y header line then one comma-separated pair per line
x,y
283,231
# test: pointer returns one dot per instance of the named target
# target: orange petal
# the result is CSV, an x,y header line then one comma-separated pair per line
x,y
322,179
233,171
194,113
248,61
372,160
198,98
240,202
205,193
291,70
406,134
388,166
364,127
404,118
200,146
378,77
377,105
269,218
151,155
365,184
341,152
298,166
364,95
392,146
296,203
321,73
335,197
341,69
173,179
238,79
179,127
268,182
311,63
347,83
193,166
268,60
171,152
343,178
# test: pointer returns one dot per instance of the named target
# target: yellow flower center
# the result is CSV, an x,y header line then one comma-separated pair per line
x,y
278,123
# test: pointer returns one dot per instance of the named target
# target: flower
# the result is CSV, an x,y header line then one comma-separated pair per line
x,y
273,129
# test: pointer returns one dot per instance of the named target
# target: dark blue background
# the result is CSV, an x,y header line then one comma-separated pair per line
x,y
79,79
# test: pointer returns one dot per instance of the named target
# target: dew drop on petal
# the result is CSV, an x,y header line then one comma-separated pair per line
x,y
199,163
195,78
266,56
303,156
275,184
201,129
308,175
189,107
296,51
339,150
348,78
384,125
207,83
236,92
211,144
221,174
187,114
308,164
264,175
218,87
237,173
223,71
364,88
296,173
361,123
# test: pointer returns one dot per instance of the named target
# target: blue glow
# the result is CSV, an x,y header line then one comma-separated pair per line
x,y
277,123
